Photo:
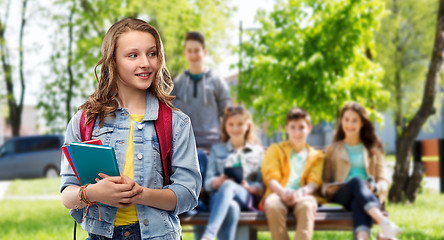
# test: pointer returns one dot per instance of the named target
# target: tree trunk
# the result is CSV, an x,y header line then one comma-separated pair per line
x,y
69,67
7,72
19,108
404,143
415,181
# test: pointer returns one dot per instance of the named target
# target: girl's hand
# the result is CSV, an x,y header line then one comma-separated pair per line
x,y
136,186
217,182
371,186
113,191
251,189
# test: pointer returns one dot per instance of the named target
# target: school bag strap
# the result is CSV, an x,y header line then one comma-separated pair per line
x,y
163,125
86,131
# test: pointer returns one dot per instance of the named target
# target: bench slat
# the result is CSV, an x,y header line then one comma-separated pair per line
x,y
330,219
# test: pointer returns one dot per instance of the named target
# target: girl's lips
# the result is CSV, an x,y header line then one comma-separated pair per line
x,y
143,75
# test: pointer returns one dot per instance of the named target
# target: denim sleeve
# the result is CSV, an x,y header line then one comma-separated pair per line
x,y
72,134
211,172
186,178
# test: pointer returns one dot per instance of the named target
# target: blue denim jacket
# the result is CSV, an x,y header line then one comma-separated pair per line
x,y
186,178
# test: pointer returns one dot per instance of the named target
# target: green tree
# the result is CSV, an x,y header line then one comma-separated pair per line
x,y
15,104
404,43
312,54
84,25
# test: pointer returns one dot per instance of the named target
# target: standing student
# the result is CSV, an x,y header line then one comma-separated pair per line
x,y
133,80
354,172
200,93
292,173
233,174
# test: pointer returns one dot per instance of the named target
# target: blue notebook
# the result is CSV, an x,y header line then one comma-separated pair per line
x,y
90,160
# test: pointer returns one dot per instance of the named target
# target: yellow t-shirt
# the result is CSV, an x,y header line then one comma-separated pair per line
x,y
129,215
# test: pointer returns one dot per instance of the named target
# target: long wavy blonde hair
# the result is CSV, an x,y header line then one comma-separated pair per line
x,y
103,101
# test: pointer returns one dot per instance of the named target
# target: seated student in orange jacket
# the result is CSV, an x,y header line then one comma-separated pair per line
x,y
292,173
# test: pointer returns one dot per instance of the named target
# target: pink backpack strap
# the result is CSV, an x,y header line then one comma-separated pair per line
x,y
85,131
164,131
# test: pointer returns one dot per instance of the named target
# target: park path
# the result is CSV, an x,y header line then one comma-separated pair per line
x,y
5,184
3,187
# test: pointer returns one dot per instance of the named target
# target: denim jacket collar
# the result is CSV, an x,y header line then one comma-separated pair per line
x,y
152,107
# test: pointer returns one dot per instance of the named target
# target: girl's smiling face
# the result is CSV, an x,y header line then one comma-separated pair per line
x,y
136,59
351,123
236,127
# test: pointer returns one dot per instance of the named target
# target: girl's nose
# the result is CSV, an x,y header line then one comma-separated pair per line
x,y
144,63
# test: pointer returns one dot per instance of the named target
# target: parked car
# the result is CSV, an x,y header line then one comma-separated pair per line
x,y
31,157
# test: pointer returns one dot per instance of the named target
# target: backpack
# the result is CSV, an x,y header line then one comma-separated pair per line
x,y
164,131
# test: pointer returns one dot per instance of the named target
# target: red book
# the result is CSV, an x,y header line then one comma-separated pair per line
x,y
68,156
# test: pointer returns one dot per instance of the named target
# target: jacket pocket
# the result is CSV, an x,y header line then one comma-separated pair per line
x,y
104,134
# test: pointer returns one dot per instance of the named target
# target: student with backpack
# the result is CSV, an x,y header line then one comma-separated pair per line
x,y
156,183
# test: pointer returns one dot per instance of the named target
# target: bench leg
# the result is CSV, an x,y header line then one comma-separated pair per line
x,y
243,232
253,234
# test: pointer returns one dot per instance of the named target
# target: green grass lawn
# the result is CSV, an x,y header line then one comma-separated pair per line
x,y
50,220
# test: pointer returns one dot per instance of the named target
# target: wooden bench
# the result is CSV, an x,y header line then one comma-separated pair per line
x,y
327,218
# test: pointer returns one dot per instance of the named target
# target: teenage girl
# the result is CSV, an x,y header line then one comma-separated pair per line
x,y
233,175
354,172
133,81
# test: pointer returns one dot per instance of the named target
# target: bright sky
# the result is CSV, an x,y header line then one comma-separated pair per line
x,y
38,46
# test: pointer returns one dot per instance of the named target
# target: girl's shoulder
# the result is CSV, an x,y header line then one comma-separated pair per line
x,y
180,118
377,152
75,119
334,147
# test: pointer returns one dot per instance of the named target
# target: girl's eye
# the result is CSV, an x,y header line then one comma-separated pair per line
x,y
132,55
152,54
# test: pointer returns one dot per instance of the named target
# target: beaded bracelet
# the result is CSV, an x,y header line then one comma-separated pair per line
x,y
84,199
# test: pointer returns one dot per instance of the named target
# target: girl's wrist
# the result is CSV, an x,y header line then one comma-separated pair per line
x,y
89,192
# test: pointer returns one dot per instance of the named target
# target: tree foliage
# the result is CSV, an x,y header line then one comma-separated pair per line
x,y
403,44
413,62
313,54
90,21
